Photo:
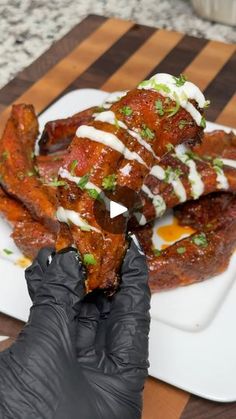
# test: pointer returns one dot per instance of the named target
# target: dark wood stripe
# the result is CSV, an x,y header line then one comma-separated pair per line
x,y
109,62
52,56
180,56
222,88
198,408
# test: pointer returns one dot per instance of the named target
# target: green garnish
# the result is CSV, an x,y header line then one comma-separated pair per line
x,y
100,109
192,156
89,259
172,174
157,252
147,132
175,109
181,250
73,166
203,122
93,193
144,83
5,155
85,228
207,104
183,123
208,158
169,147
55,183
126,110
116,123
200,240
109,182
83,181
179,81
30,173
159,107
7,251
218,162
161,87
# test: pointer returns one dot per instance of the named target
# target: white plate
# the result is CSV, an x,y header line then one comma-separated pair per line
x,y
192,339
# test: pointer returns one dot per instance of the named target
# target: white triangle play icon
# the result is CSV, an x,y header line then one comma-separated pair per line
x,y
116,209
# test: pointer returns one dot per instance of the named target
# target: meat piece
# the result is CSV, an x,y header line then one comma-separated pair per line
x,y
17,166
180,177
200,256
205,213
217,143
58,134
11,209
48,166
130,136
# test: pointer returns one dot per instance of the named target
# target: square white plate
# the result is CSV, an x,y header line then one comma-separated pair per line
x,y
192,339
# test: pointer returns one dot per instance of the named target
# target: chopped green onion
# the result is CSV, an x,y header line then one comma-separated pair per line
x,y
89,259
203,122
93,193
55,183
179,81
126,110
218,162
73,166
83,181
175,109
172,174
144,83
169,147
200,240
109,182
161,87
157,252
183,123
147,132
159,107
181,250
7,251
192,156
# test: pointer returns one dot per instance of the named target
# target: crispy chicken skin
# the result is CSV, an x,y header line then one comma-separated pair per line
x,y
58,134
200,256
17,166
100,161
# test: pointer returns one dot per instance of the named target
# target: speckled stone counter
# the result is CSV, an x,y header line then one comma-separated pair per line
x,y
29,27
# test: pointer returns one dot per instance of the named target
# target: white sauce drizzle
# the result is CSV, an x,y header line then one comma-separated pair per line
x,y
109,140
114,97
110,118
126,169
176,183
157,200
229,162
222,181
89,185
183,94
65,216
197,185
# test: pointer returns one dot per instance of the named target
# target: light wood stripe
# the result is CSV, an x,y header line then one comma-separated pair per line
x,y
228,115
208,63
148,56
42,93
162,401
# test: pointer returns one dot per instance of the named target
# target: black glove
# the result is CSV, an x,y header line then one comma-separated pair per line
x,y
83,358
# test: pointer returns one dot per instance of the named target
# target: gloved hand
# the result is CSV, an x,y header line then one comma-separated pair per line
x,y
78,358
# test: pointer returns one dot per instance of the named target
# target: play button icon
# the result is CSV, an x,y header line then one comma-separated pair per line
x,y
117,209
113,212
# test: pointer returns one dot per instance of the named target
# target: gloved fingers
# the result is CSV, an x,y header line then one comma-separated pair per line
x,y
64,281
93,310
129,320
35,272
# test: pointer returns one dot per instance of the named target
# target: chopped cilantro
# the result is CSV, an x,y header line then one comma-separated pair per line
x,y
161,87
175,109
73,166
147,132
181,250
5,155
200,240
126,110
83,181
172,174
89,259
159,107
157,252
93,193
192,156
109,182
183,123
7,251
203,122
179,81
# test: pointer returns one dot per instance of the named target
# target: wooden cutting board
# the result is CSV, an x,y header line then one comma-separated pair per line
x,y
112,54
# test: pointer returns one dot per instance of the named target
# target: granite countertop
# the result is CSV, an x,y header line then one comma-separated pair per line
x,y
29,27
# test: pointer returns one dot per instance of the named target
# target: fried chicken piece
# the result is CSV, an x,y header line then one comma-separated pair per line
x,y
98,161
217,143
200,256
17,166
58,134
